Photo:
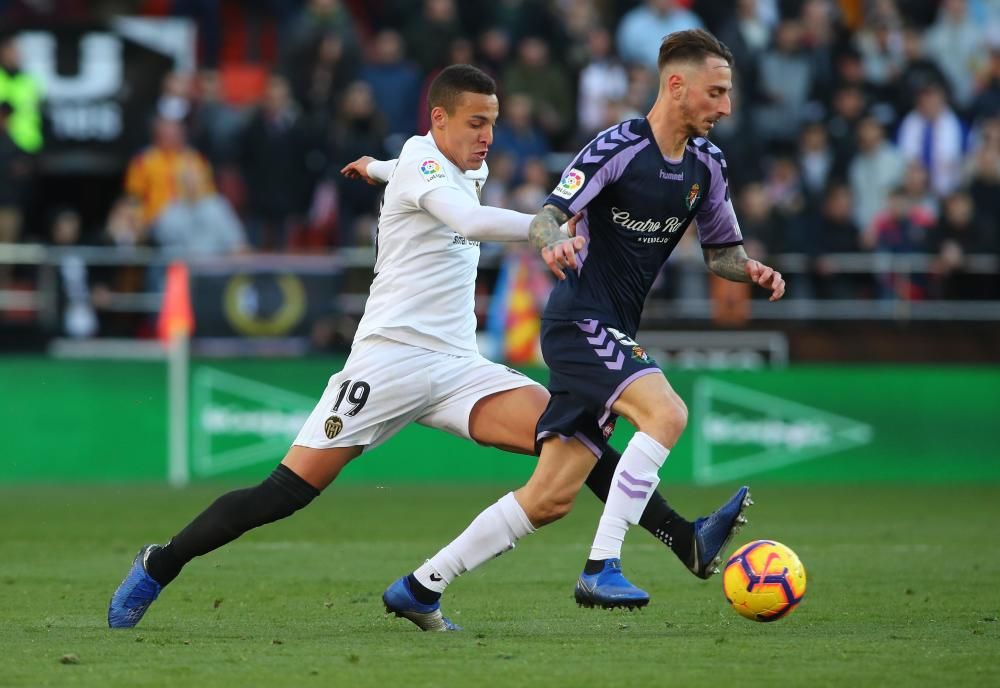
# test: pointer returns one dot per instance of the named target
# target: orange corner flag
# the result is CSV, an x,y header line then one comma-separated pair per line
x,y
176,316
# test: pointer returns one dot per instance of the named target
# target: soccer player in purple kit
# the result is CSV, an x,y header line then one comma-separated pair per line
x,y
641,184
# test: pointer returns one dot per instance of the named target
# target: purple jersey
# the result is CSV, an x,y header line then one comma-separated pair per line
x,y
638,205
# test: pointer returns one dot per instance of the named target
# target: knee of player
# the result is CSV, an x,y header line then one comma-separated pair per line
x,y
671,412
550,507
668,420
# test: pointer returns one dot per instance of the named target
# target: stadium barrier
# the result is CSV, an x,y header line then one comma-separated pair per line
x,y
97,421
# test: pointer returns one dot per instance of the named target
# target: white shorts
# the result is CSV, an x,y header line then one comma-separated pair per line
x,y
386,385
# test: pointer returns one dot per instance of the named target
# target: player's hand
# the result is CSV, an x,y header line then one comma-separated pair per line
x,y
572,222
359,170
767,277
562,254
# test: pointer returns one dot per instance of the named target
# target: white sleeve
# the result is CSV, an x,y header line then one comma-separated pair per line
x,y
473,221
380,170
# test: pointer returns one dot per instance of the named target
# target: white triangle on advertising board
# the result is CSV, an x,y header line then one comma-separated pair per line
x,y
261,419
740,432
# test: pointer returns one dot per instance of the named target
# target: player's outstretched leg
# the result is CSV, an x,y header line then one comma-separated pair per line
x,y
608,588
280,495
400,600
135,593
713,532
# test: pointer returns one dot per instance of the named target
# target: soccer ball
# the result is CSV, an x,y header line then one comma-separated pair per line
x,y
764,580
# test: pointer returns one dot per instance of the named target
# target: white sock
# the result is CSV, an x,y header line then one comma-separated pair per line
x,y
634,481
492,533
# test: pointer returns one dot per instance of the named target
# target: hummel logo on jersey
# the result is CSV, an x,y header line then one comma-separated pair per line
x,y
624,218
672,176
437,578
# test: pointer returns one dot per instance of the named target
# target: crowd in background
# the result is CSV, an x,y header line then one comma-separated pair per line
x,y
858,126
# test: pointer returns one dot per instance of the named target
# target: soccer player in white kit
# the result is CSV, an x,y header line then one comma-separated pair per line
x,y
414,357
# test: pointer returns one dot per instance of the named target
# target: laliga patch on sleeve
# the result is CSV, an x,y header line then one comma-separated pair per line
x,y
431,169
570,184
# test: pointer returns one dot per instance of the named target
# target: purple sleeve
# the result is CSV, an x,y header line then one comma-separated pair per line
x,y
599,164
716,218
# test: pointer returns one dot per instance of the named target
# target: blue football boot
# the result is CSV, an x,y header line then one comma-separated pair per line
x,y
609,589
399,600
713,532
135,593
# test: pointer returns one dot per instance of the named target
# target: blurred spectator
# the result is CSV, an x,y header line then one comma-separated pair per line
x,y
957,44
577,19
196,224
493,51
716,15
762,228
153,173
15,168
836,233
548,85
602,80
176,96
214,124
961,231
125,226
932,134
817,162
358,130
916,189
281,158
642,29
848,108
900,229
883,52
785,82
429,35
850,72
987,102
22,92
317,19
496,191
918,71
747,35
535,186
78,317
919,13
787,197
124,230
821,40
395,82
876,169
643,84
982,170
321,73
517,135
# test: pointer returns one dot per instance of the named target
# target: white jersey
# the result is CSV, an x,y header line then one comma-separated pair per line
x,y
425,272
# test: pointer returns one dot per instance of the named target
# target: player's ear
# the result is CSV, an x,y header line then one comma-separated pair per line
x,y
675,84
439,116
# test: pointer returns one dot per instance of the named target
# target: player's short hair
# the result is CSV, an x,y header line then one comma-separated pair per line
x,y
692,46
454,80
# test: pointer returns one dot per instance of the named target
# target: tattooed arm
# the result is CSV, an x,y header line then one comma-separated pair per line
x,y
557,251
733,264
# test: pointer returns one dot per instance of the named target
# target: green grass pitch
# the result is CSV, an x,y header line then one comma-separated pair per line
x,y
904,589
